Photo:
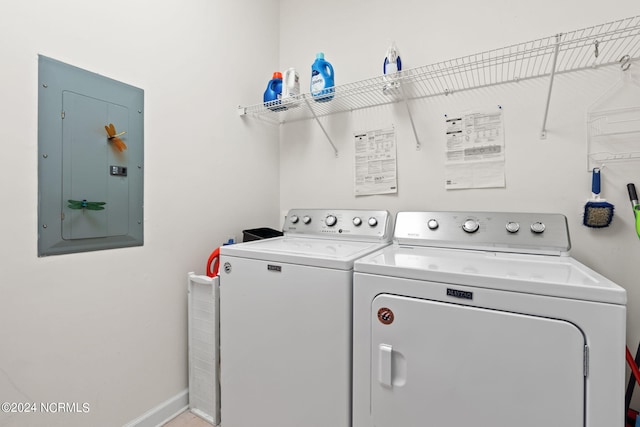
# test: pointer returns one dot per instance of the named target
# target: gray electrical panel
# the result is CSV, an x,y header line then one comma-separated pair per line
x,y
90,161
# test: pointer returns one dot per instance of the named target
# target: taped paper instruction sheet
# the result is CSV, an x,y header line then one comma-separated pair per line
x,y
375,162
475,150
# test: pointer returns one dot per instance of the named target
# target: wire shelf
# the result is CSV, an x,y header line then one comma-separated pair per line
x,y
601,45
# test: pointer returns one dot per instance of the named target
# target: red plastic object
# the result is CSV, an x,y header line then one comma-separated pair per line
x,y
632,414
214,259
633,366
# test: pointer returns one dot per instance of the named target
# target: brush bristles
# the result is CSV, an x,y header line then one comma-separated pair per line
x,y
598,215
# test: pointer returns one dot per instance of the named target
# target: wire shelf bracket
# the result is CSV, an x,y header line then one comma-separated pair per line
x,y
543,134
335,150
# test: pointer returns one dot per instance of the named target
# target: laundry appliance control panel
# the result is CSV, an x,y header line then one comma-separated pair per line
x,y
337,223
519,232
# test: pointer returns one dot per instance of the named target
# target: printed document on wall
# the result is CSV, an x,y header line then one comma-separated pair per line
x,y
475,150
375,162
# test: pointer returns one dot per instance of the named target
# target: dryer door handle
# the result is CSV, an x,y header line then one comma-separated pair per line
x,y
385,362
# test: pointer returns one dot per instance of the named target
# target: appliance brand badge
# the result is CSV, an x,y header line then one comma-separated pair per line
x,y
227,267
385,316
272,267
459,294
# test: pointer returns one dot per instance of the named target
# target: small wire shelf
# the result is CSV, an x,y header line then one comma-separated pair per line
x,y
591,47
611,43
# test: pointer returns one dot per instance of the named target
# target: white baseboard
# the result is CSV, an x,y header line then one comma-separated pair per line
x,y
162,413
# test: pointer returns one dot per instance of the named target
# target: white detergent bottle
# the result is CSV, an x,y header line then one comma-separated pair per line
x,y
290,85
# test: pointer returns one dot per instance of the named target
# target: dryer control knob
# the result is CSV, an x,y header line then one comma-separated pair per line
x,y
373,222
538,227
357,221
331,220
432,224
306,219
470,225
294,219
512,227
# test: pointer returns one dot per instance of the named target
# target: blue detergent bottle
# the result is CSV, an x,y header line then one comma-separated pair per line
x,y
322,81
273,93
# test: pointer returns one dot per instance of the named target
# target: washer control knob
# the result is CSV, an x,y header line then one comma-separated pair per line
x,y
470,225
294,219
538,227
306,219
373,221
331,220
432,224
512,227
357,221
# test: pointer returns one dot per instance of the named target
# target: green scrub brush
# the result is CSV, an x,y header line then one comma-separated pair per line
x,y
598,213
633,196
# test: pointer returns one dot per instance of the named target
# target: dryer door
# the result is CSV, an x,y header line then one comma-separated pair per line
x,y
448,365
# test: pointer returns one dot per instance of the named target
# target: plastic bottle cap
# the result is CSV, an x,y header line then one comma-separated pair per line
x,y
277,75
320,55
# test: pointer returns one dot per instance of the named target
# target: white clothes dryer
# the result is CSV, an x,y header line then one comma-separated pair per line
x,y
478,318
286,319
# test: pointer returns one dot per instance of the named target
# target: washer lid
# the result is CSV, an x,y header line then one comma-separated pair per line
x,y
535,274
327,253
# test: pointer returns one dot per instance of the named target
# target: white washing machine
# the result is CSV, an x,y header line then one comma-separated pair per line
x,y
483,319
286,316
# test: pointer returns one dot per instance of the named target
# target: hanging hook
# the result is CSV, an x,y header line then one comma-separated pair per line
x,y
625,62
596,52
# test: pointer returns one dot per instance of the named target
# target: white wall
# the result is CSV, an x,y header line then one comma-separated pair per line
x,y
541,175
109,327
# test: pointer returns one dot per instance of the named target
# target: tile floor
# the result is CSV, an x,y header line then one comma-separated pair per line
x,y
187,419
